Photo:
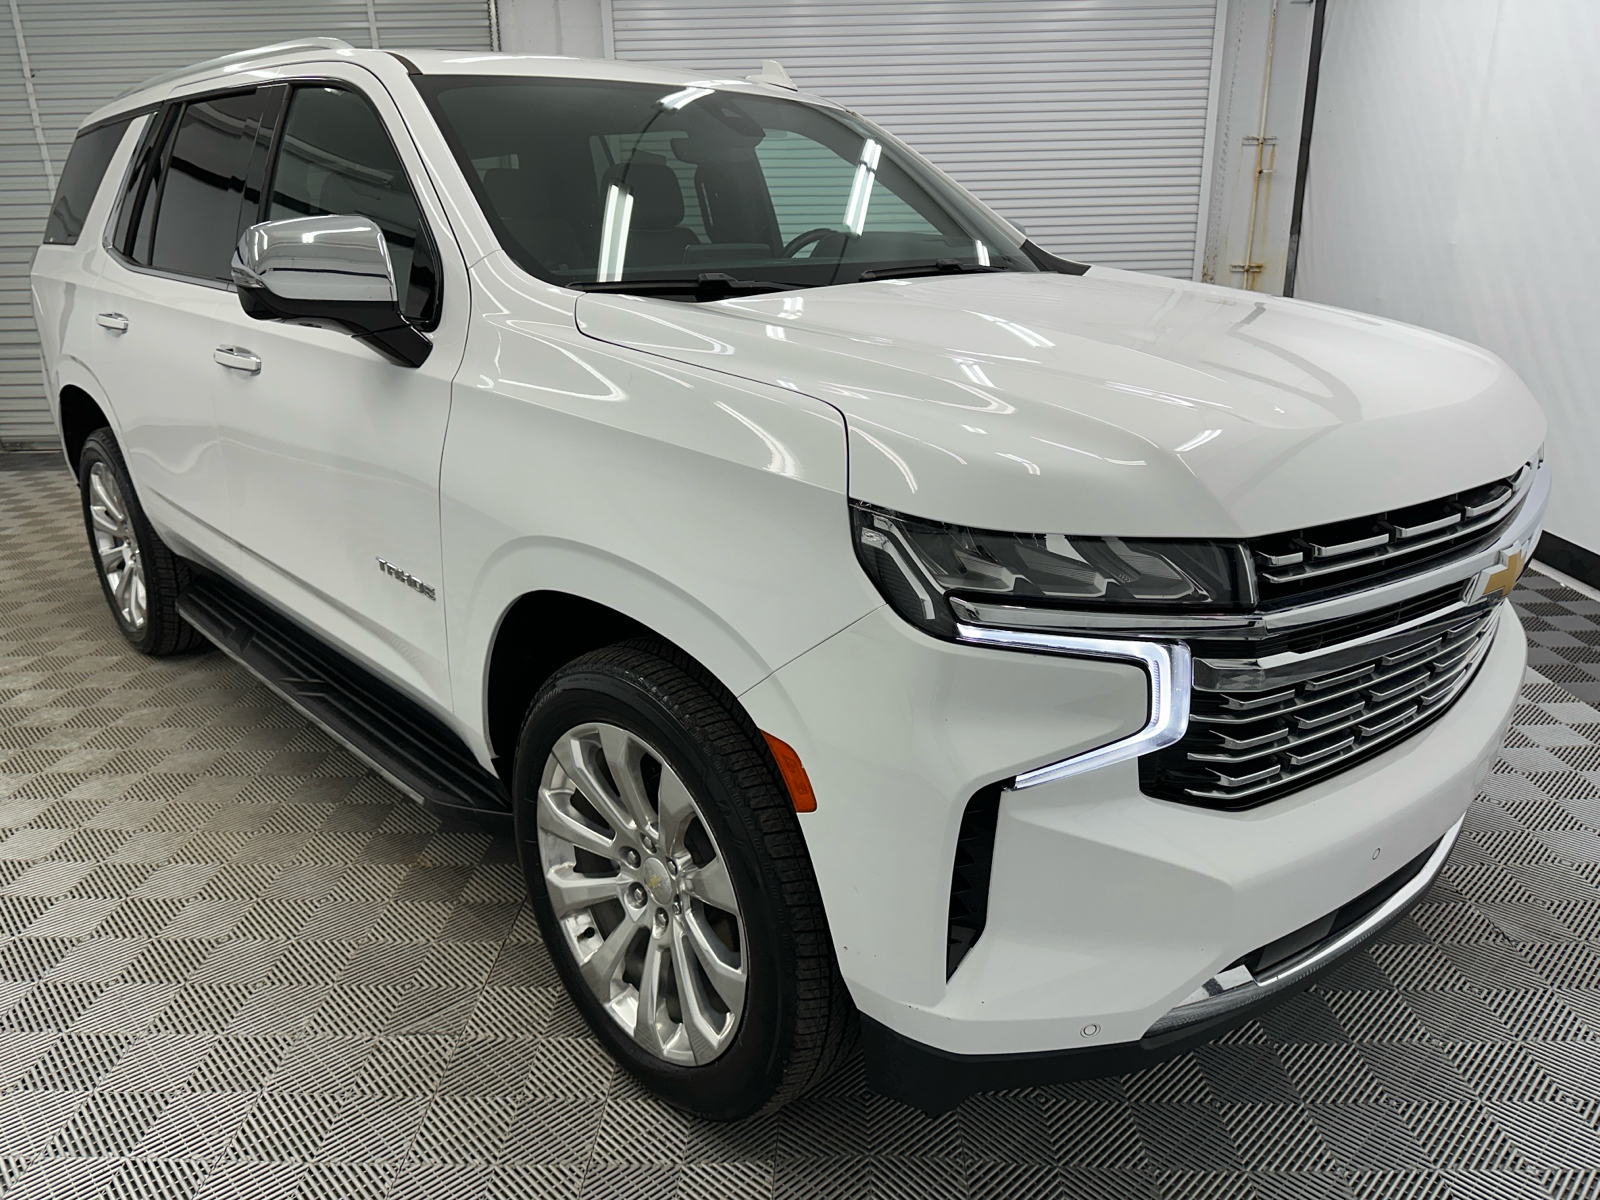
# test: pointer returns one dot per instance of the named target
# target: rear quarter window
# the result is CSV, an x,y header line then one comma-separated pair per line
x,y
80,180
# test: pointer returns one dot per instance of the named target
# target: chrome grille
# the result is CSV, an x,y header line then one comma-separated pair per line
x,y
1257,732
1358,553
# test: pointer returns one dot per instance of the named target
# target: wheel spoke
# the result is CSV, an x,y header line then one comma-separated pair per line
x,y
136,599
570,891
711,884
677,810
567,828
109,497
702,1033
111,558
646,1027
725,977
602,966
680,992
624,756
572,753
104,521
120,591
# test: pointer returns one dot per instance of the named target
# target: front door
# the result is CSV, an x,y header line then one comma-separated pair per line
x,y
332,451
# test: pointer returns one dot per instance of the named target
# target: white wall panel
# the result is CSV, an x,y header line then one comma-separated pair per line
x,y
85,52
1452,184
1082,120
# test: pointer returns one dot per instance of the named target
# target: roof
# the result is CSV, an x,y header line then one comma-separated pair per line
x,y
425,62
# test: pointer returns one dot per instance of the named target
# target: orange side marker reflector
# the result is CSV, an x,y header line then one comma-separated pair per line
x,y
794,775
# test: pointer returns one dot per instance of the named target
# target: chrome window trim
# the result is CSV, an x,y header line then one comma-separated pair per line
x,y
1167,666
1247,989
1522,533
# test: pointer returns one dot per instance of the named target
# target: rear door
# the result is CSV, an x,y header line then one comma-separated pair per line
x,y
332,452
164,289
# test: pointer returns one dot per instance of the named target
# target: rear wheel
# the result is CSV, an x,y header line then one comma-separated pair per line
x,y
140,577
667,869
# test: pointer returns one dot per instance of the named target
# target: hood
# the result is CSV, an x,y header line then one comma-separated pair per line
x,y
1112,403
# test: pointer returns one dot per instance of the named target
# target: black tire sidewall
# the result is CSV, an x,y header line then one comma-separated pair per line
x,y
741,1080
101,447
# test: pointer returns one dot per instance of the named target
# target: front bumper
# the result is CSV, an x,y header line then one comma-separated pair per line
x,y
936,1080
1107,908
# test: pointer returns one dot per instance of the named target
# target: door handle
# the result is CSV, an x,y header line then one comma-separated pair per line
x,y
115,322
237,358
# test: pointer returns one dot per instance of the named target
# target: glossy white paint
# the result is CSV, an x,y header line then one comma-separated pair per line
x,y
1105,906
63,282
1113,402
150,376
690,466
332,458
711,509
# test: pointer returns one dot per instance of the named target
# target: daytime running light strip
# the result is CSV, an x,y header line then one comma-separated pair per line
x,y
1168,665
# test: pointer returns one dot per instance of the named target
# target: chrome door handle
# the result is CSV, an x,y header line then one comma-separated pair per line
x,y
115,322
237,358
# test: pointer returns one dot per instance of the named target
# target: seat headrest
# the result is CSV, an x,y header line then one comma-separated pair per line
x,y
337,197
657,196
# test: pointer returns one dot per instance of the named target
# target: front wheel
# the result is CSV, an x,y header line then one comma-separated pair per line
x,y
140,576
668,873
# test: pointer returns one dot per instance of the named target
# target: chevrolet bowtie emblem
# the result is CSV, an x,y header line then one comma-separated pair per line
x,y
1498,581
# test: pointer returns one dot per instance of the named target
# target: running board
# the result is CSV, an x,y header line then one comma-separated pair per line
x,y
388,731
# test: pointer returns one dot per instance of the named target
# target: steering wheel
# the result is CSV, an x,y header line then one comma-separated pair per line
x,y
805,239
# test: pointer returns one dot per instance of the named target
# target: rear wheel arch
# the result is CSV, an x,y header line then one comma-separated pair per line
x,y
81,414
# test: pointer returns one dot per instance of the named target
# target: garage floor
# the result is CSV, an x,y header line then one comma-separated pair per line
x,y
236,964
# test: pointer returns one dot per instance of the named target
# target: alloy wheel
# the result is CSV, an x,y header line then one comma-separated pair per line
x,y
117,547
642,893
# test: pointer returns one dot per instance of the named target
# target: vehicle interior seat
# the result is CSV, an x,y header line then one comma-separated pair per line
x,y
657,236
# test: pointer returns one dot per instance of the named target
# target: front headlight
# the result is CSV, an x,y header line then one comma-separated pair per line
x,y
920,566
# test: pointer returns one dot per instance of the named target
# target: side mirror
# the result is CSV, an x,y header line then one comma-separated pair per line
x,y
330,268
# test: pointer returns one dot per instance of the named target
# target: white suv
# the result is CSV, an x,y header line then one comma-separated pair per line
x,y
864,619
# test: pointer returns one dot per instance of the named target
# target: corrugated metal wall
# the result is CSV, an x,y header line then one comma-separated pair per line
x,y
84,52
1452,184
1082,120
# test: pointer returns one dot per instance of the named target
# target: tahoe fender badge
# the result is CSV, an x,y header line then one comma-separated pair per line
x,y
407,578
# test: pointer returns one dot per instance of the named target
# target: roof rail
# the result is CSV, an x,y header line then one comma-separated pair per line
x,y
240,56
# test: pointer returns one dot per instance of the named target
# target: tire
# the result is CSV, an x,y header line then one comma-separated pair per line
x,y
607,716
140,577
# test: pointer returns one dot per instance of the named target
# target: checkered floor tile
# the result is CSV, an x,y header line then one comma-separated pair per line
x,y
233,963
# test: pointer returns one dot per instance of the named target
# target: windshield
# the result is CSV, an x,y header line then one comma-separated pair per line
x,y
596,183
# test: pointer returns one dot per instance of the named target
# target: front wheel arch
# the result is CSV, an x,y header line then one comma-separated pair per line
x,y
538,635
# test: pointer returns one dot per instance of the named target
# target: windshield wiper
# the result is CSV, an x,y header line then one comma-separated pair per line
x,y
707,283
944,266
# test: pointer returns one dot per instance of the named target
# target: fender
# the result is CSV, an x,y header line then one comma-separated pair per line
x,y
707,508
549,564
72,371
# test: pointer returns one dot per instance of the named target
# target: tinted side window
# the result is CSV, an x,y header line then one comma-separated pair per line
x,y
335,158
136,214
80,180
197,218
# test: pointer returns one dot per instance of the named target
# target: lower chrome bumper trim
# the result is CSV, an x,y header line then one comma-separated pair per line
x,y
1221,996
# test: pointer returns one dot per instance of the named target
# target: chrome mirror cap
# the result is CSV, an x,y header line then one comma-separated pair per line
x,y
343,259
329,269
